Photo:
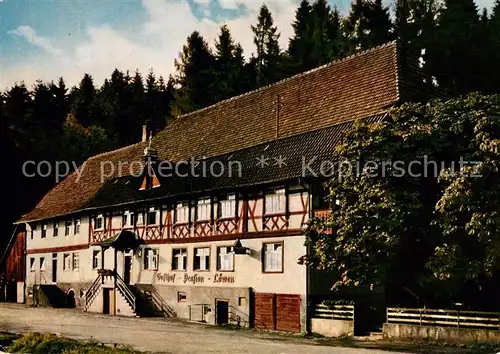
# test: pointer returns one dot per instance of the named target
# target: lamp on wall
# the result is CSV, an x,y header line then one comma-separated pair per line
x,y
239,249
139,252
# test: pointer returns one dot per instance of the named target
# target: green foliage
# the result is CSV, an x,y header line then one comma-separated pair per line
x,y
436,227
38,343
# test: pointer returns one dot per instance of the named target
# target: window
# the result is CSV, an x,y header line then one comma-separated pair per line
x,y
242,301
44,230
181,296
276,202
42,263
32,234
225,258
76,261
140,219
56,228
128,219
99,222
150,258
32,264
228,207
67,261
203,209
77,227
179,259
182,213
273,257
96,259
67,229
201,258
152,216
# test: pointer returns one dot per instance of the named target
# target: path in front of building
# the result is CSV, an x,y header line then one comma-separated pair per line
x,y
156,335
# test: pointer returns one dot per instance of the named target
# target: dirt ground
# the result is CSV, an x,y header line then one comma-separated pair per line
x,y
157,335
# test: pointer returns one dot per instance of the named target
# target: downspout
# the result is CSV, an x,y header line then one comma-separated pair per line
x,y
308,268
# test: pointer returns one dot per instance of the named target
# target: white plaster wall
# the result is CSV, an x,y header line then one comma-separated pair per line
x,y
295,201
247,268
61,240
259,209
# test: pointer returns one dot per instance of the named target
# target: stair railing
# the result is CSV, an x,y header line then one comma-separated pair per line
x,y
126,292
92,292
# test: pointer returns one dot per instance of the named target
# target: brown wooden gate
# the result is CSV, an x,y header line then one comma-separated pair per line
x,y
277,312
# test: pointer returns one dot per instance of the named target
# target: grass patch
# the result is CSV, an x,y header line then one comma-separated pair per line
x,y
38,343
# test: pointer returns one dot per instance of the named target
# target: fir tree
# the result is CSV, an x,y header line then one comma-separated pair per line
x,y
195,74
268,57
300,45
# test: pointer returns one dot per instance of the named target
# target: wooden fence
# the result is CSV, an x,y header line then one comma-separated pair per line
x,y
335,312
448,318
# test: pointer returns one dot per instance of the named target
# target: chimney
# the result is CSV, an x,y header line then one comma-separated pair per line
x,y
144,132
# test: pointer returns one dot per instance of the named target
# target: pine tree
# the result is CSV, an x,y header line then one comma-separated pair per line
x,y
229,66
300,45
268,57
195,74
83,101
368,24
493,49
456,55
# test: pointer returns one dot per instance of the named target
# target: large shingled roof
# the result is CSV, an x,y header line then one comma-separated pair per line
x,y
362,85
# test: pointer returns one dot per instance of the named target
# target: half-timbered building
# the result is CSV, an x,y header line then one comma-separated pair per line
x,y
205,219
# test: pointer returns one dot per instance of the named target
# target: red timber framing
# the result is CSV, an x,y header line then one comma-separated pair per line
x,y
250,220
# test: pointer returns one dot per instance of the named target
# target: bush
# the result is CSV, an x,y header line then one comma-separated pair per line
x,y
51,344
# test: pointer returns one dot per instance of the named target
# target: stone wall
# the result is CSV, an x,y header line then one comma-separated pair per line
x,y
436,333
332,328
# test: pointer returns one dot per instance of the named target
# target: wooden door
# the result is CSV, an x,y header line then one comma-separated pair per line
x,y
106,300
288,313
222,311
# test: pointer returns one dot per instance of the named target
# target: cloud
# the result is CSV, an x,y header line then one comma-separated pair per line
x,y
30,35
155,44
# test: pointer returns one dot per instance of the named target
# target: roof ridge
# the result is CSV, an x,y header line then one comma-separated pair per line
x,y
115,150
336,61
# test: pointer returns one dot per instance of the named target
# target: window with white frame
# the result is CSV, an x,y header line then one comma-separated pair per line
x,y
76,261
96,259
203,209
201,258
150,258
273,257
42,263
140,218
56,229
179,259
32,264
44,230
228,206
128,219
77,227
182,213
67,261
67,229
276,202
225,258
99,222
152,217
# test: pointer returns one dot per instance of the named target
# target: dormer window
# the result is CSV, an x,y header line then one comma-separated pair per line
x,y
227,206
99,222
152,216
203,209
128,219
276,202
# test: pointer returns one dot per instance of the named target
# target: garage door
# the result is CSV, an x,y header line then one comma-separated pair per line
x,y
277,312
264,311
288,313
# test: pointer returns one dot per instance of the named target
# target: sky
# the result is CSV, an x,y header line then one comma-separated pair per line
x,y
47,39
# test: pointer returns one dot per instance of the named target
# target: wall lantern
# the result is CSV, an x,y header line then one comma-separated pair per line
x,y
239,249
139,252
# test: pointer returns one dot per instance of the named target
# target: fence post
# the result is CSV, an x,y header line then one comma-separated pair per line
x,y
420,312
458,318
